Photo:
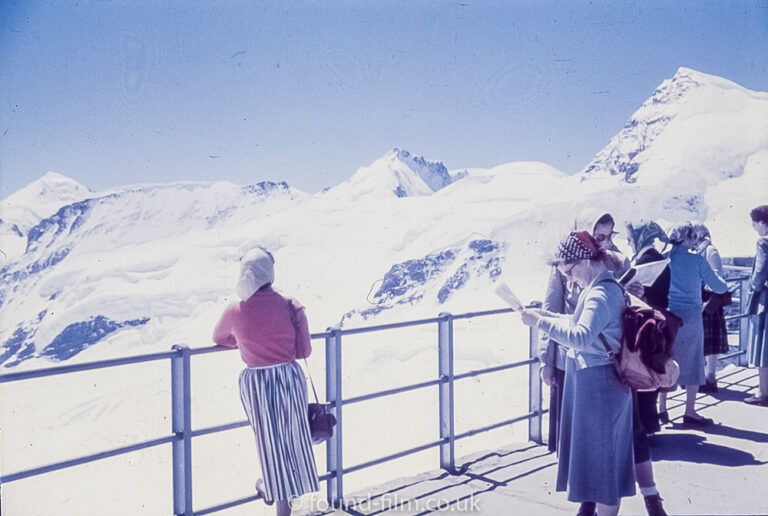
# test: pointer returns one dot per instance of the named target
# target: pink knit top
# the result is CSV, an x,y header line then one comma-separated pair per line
x,y
264,329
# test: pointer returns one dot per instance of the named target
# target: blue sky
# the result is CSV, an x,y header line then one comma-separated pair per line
x,y
121,92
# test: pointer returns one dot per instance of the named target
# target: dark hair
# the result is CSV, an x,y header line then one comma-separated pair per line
x,y
760,214
605,218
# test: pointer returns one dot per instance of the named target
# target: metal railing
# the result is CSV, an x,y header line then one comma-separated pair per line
x,y
740,300
181,407
181,424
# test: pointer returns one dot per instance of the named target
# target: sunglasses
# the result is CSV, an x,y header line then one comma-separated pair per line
x,y
568,271
601,237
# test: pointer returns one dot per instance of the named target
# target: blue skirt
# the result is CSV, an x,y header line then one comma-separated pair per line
x,y
595,459
688,349
275,400
757,350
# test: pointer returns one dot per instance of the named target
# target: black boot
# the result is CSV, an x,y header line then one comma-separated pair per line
x,y
587,509
653,505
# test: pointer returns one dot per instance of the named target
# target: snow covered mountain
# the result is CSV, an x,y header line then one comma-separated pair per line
x,y
677,151
397,173
140,268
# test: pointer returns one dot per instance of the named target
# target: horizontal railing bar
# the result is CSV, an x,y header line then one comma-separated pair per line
x,y
397,390
390,326
220,428
51,371
483,313
216,349
496,425
732,354
495,369
737,316
394,456
87,458
737,278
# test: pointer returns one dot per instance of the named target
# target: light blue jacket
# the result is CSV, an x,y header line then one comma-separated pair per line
x,y
560,298
688,272
598,311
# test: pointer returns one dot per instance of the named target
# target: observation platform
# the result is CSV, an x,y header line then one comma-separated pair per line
x,y
717,470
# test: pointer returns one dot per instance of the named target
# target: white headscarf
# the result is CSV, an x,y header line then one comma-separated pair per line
x,y
257,268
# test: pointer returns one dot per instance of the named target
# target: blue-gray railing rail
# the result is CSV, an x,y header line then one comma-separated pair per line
x,y
181,401
182,432
739,304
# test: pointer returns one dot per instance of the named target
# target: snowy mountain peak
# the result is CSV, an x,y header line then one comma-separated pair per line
x,y
51,188
38,200
398,173
681,114
433,173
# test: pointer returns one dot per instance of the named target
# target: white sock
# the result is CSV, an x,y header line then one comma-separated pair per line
x,y
710,367
649,491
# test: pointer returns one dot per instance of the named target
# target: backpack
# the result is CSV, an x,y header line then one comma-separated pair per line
x,y
645,361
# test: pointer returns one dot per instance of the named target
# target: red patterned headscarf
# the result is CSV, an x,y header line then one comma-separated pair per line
x,y
579,245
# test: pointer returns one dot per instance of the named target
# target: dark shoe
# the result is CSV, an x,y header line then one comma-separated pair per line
x,y
587,509
653,505
698,421
708,387
664,417
757,400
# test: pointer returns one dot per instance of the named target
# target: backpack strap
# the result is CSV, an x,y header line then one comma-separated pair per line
x,y
611,354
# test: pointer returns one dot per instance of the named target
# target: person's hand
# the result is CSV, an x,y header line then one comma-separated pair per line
x,y
530,316
636,289
547,373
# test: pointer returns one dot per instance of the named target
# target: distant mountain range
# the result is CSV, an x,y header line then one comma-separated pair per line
x,y
133,269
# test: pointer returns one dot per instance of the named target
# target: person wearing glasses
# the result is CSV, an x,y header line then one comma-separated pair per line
x,y
561,297
688,271
271,332
757,352
595,463
603,232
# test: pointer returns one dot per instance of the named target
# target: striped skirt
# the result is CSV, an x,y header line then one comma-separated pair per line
x,y
275,400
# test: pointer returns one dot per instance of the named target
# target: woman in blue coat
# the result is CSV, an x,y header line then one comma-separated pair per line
x,y
688,271
595,460
757,353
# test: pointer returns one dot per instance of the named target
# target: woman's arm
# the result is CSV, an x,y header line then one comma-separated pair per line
x,y
581,333
300,324
554,301
222,334
710,277
760,272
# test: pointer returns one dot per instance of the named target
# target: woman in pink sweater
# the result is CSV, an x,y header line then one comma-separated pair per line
x,y
271,332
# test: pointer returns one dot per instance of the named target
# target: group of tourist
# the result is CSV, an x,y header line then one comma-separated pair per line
x,y
598,425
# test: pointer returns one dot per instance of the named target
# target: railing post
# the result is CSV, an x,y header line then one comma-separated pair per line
x,y
534,388
182,428
445,364
333,450
743,322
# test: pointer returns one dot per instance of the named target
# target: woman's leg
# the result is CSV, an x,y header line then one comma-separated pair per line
x,y
662,402
690,400
710,368
283,508
607,510
762,373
